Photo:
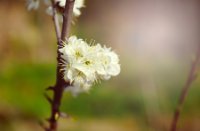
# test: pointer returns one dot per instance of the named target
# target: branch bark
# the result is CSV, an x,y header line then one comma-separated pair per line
x,y
56,21
67,19
191,77
60,82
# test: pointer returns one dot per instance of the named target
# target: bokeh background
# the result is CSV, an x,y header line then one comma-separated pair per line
x,y
156,41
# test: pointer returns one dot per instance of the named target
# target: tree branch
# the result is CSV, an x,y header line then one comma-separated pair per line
x,y
56,21
60,82
191,77
67,18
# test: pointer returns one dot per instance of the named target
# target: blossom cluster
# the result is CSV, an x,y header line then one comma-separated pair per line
x,y
86,64
34,4
83,64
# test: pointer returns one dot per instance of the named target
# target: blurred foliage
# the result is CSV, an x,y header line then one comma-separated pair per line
x,y
23,85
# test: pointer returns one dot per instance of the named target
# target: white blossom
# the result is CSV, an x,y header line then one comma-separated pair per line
x,y
49,10
84,64
110,63
78,4
32,4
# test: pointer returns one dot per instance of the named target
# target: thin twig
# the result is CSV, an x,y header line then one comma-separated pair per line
x,y
67,19
56,21
191,77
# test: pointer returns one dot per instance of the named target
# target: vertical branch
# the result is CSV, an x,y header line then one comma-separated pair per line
x,y
56,21
191,77
67,18
60,82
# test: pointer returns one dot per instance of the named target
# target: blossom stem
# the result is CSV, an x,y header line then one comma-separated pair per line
x,y
56,21
60,82
191,77
67,19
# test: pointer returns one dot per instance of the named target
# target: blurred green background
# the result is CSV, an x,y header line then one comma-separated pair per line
x,y
155,40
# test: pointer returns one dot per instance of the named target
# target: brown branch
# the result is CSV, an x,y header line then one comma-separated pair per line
x,y
191,77
56,21
60,82
67,18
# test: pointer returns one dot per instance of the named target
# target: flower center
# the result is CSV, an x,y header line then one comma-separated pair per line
x,y
87,62
78,54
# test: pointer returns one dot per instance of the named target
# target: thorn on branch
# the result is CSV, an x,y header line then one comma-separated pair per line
x,y
50,88
48,98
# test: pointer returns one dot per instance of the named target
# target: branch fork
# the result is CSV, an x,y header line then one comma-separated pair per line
x,y
58,89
